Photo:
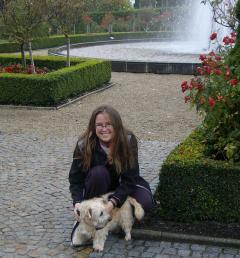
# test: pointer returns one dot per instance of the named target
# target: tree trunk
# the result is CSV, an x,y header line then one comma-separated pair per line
x,y
23,57
31,57
74,29
110,29
68,52
88,28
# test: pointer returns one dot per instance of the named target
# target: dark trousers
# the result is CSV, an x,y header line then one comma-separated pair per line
x,y
98,182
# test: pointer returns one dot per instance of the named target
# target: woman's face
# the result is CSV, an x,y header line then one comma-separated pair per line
x,y
104,128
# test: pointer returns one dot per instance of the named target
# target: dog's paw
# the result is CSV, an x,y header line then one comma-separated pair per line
x,y
128,237
98,248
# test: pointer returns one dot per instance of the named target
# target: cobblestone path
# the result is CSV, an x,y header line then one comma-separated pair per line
x,y
36,215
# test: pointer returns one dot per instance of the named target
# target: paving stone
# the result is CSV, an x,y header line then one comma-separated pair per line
x,y
182,246
184,252
208,255
196,247
147,255
197,254
162,256
153,249
226,256
169,251
230,251
214,249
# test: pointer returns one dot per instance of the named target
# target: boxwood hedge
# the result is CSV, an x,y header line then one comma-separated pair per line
x,y
194,187
52,88
55,41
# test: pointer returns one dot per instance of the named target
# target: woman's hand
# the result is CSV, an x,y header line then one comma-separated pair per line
x,y
77,211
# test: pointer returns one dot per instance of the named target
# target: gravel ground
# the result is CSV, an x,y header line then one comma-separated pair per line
x,y
150,105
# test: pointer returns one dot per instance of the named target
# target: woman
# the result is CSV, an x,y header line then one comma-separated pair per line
x,y
106,160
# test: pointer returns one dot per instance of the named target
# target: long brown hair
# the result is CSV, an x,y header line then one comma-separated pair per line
x,y
122,155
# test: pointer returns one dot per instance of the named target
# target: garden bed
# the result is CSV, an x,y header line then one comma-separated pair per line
x,y
52,88
152,221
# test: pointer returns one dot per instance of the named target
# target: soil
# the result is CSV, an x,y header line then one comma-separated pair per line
x,y
151,221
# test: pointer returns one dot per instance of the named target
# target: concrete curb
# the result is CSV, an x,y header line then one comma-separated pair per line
x,y
197,239
69,102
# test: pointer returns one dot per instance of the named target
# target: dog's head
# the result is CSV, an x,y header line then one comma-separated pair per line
x,y
96,214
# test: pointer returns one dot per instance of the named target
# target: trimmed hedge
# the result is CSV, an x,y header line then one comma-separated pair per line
x,y
55,41
193,187
54,87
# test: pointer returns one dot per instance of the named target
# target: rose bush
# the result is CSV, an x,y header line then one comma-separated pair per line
x,y
215,93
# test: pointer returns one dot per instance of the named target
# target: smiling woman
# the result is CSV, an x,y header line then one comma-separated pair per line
x,y
106,160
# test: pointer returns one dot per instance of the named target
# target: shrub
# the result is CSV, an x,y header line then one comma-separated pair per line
x,y
55,41
216,94
194,187
52,88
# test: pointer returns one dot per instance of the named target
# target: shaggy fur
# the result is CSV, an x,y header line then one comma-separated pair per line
x,y
95,222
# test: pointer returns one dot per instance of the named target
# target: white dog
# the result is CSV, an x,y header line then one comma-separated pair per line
x,y
95,222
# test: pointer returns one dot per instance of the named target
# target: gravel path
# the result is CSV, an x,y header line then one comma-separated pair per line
x,y
151,105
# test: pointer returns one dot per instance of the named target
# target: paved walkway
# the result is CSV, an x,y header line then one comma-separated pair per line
x,y
35,155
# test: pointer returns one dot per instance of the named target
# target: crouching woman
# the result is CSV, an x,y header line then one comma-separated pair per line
x,y
106,160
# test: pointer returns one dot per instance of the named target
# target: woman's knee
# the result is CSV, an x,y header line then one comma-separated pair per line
x,y
145,198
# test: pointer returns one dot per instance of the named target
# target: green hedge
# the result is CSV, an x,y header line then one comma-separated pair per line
x,y
51,62
52,88
193,187
55,41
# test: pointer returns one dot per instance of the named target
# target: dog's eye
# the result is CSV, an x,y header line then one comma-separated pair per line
x,y
101,213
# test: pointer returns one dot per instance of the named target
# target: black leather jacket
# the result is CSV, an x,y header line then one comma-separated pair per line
x,y
122,185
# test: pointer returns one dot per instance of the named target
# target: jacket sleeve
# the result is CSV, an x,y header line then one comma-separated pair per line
x,y
76,177
128,178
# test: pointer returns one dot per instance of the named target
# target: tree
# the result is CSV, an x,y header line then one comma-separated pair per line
x,y
224,12
65,14
23,20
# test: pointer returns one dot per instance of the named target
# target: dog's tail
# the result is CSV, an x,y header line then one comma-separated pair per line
x,y
138,209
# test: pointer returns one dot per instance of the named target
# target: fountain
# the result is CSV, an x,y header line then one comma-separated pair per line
x,y
157,56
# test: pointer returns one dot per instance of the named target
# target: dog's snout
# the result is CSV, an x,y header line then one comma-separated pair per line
x,y
109,219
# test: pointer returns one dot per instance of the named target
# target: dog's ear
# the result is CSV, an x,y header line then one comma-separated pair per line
x,y
90,213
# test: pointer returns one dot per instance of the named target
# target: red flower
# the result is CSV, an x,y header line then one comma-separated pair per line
x,y
202,57
233,82
186,99
8,69
199,70
207,69
233,34
211,102
218,72
212,54
226,40
218,58
213,36
184,86
232,40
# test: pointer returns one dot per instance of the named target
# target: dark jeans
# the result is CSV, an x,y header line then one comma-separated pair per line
x,y
98,182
